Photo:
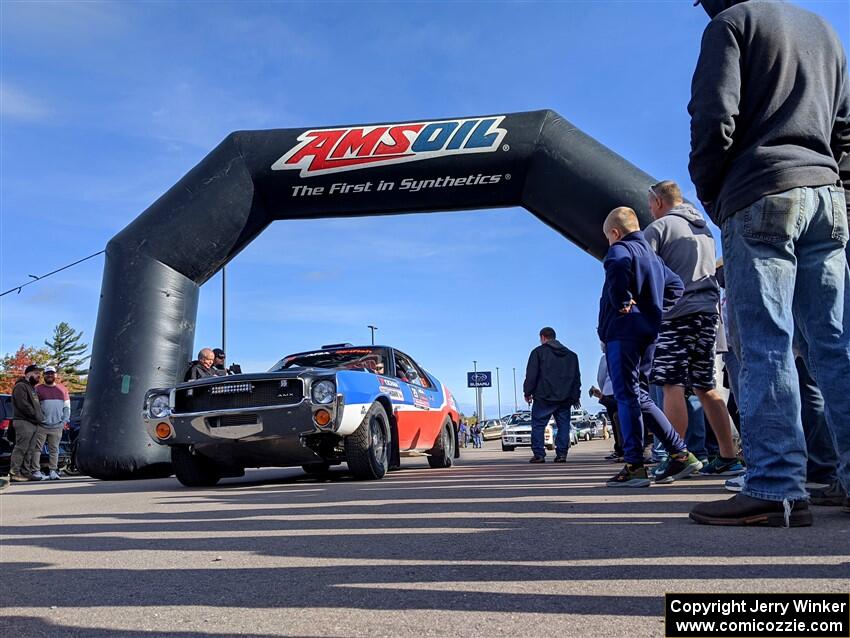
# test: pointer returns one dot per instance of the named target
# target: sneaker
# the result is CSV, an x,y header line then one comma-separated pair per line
x,y
681,465
718,466
630,476
19,478
37,476
612,457
745,510
831,495
662,468
53,476
537,459
560,459
735,484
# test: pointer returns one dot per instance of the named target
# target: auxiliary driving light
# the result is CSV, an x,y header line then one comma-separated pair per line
x,y
163,431
322,417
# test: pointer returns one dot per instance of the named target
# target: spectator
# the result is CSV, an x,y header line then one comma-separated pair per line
x,y
553,383
218,367
638,288
770,139
28,416
202,368
605,395
476,436
463,433
56,408
684,354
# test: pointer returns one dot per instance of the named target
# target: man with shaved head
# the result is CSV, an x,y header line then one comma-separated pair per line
x,y
638,289
203,367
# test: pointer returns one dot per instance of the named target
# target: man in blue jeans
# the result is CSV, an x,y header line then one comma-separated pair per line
x,y
770,139
638,289
553,383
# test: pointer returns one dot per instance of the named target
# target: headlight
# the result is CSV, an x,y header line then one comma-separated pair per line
x,y
159,407
324,392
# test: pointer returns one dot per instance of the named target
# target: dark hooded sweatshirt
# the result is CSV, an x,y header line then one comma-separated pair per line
x,y
25,402
633,272
552,374
770,105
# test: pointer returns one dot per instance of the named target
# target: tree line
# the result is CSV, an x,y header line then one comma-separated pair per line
x,y
65,350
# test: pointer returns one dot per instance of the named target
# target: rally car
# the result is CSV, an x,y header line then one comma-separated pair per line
x,y
366,406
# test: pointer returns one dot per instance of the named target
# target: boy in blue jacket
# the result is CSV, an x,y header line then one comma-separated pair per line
x,y
638,289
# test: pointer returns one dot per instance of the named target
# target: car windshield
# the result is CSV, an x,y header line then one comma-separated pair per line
x,y
368,359
520,418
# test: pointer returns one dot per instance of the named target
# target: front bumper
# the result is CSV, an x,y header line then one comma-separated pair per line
x,y
255,437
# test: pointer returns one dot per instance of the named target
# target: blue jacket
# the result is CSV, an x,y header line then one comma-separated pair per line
x,y
634,272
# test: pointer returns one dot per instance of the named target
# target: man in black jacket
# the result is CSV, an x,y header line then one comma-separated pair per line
x,y
553,383
202,368
28,415
770,148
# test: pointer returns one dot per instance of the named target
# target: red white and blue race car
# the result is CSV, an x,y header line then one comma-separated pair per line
x,y
366,406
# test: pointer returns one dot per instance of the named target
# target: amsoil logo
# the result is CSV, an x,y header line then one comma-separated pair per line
x,y
346,149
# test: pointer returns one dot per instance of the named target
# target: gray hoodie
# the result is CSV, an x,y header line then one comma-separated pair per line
x,y
683,241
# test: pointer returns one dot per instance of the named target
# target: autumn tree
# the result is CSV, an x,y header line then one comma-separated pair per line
x,y
12,366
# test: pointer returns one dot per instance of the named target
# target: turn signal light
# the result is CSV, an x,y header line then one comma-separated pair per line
x,y
322,417
163,430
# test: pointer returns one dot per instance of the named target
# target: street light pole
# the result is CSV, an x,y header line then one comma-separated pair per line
x,y
477,391
499,392
516,406
223,309
372,328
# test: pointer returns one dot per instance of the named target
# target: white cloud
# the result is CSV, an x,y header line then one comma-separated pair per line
x,y
15,104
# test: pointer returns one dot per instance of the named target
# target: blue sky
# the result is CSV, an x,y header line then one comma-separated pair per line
x,y
104,106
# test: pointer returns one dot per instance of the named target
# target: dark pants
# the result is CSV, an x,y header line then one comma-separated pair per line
x,y
25,441
822,461
628,361
541,411
610,404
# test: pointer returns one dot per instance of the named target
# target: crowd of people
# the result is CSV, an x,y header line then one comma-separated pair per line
x,y
770,159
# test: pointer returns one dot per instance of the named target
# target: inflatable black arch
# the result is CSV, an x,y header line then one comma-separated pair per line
x,y
156,265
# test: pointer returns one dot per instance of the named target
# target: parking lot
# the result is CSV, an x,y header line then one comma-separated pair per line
x,y
493,546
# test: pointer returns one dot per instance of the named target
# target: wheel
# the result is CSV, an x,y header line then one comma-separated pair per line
x,y
443,452
507,448
550,446
71,469
316,469
193,470
367,448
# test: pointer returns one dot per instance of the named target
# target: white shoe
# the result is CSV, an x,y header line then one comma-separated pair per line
x,y
53,476
37,476
735,484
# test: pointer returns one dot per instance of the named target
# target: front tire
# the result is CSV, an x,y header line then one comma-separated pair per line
x,y
367,448
507,448
193,470
443,452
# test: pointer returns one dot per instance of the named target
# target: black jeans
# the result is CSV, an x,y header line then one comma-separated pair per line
x,y
610,404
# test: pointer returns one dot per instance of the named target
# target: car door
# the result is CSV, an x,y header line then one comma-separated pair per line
x,y
419,420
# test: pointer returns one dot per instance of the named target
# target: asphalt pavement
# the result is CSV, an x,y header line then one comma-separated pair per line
x,y
491,547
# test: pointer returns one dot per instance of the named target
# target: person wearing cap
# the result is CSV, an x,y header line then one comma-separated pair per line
x,y
56,407
28,415
218,366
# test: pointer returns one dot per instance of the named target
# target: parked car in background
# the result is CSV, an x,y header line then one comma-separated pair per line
x,y
517,432
362,405
587,430
492,429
